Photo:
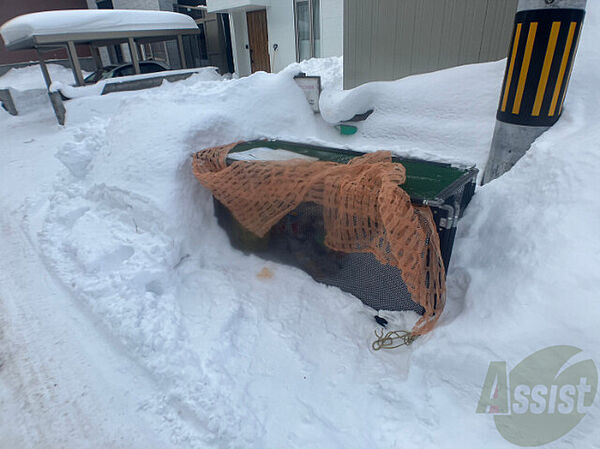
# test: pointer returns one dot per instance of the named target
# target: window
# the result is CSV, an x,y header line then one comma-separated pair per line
x,y
104,4
154,51
308,29
212,46
124,71
150,67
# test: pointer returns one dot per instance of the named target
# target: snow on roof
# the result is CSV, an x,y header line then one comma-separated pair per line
x,y
91,21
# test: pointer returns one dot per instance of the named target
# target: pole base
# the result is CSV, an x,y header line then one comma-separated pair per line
x,y
509,144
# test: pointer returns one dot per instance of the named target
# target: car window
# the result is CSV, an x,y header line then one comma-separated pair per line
x,y
100,74
92,77
150,68
126,71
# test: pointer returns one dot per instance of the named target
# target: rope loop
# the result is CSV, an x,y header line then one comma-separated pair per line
x,y
392,339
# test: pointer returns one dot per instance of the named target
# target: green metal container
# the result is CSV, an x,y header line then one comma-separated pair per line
x,y
298,238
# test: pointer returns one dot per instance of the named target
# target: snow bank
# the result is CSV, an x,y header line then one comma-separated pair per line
x,y
448,114
131,232
444,116
30,77
69,91
91,21
28,88
243,361
331,71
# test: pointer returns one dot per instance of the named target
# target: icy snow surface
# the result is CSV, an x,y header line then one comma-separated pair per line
x,y
91,21
169,325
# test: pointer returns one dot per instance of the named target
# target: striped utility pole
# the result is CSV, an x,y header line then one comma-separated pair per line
x,y
540,61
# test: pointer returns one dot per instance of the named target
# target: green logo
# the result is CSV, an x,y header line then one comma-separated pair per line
x,y
542,398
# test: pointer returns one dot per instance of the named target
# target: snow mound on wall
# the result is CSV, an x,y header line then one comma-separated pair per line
x,y
331,71
448,114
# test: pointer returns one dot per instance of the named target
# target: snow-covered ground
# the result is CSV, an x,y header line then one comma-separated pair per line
x,y
127,320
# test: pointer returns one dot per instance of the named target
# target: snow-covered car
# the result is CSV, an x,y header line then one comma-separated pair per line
x,y
115,71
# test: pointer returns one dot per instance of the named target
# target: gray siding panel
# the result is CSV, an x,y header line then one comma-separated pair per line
x,y
363,46
384,44
451,33
405,23
474,19
349,40
390,39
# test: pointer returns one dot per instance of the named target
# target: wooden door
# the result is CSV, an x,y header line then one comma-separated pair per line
x,y
258,39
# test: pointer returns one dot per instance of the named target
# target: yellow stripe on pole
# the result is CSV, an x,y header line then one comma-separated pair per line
x,y
511,67
539,98
525,67
563,68
570,71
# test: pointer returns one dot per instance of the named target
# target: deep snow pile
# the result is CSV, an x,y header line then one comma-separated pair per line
x,y
31,77
243,361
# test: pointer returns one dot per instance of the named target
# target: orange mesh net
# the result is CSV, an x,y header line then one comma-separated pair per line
x,y
364,208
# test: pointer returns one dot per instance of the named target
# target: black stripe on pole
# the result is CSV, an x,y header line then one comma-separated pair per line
x,y
537,73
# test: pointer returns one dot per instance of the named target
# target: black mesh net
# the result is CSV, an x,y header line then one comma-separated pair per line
x,y
298,240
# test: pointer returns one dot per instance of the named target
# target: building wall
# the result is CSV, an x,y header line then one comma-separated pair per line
x,y
332,28
390,39
281,30
280,23
10,9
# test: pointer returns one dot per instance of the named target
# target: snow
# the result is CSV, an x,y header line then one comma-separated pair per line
x,y
28,88
70,91
109,244
458,131
268,154
91,21
30,77
329,69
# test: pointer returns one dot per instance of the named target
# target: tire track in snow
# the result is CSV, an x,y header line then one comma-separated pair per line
x,y
47,370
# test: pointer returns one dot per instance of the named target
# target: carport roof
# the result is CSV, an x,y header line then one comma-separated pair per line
x,y
97,27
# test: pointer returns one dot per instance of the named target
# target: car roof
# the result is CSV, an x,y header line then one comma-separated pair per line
x,y
128,64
